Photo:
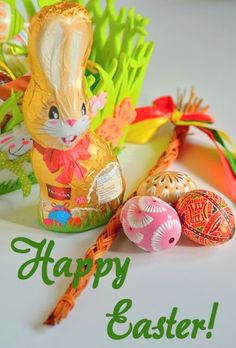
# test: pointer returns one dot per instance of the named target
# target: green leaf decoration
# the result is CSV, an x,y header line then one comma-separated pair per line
x,y
29,7
43,3
11,106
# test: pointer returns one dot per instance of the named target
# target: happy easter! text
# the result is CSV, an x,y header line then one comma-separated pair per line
x,y
119,325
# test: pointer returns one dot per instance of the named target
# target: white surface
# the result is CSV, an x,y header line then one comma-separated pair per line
x,y
195,46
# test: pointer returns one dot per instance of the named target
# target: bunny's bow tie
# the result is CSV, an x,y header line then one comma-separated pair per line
x,y
67,161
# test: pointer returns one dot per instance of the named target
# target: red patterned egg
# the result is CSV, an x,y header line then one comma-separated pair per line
x,y
206,218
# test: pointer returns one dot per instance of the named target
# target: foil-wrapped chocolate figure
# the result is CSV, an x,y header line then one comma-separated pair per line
x,y
80,179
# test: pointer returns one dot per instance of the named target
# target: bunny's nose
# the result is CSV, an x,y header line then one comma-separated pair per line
x,y
71,122
25,142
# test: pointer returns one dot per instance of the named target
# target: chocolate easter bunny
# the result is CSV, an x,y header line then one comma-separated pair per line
x,y
80,179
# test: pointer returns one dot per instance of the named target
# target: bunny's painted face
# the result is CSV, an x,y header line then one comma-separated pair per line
x,y
16,142
60,128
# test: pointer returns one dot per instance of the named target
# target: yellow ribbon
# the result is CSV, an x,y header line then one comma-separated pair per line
x,y
5,67
142,132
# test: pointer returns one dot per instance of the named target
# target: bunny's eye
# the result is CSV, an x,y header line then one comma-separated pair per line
x,y
53,113
83,110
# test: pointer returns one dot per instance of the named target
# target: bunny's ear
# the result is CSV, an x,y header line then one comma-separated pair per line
x,y
20,130
75,56
63,51
5,138
51,52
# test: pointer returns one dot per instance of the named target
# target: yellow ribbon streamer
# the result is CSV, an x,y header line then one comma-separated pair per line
x,y
5,67
142,132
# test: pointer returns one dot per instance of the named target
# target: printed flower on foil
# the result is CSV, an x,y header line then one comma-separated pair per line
x,y
138,218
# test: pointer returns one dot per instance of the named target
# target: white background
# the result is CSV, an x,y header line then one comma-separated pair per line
x,y
195,45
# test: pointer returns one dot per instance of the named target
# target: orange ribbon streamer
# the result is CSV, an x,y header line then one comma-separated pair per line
x,y
17,85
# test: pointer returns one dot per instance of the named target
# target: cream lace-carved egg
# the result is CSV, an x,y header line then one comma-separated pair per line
x,y
168,186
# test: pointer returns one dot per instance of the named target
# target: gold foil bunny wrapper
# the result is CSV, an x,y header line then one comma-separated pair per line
x,y
81,184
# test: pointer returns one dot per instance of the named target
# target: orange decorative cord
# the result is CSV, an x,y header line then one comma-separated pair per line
x,y
108,235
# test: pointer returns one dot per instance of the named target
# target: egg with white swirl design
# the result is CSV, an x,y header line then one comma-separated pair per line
x,y
168,186
150,223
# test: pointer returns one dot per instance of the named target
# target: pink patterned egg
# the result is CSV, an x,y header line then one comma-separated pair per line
x,y
150,223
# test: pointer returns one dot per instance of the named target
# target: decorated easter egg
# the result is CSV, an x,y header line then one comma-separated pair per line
x,y
168,186
150,223
206,218
12,21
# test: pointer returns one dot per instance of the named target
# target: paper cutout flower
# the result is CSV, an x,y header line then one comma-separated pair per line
x,y
111,128
110,131
125,114
98,102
